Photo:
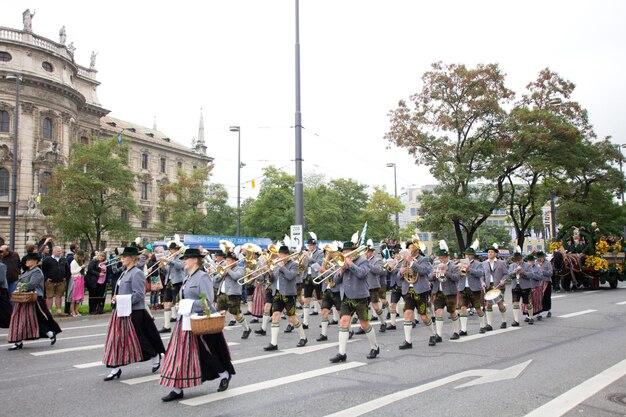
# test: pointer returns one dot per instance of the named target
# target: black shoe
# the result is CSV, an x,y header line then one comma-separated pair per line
x,y
350,334
164,330
254,320
462,333
321,338
157,367
438,339
482,330
246,333
488,328
289,328
247,313
531,321
313,313
539,318
503,325
172,320
415,323
339,358
332,322
360,331
454,336
374,319
515,324
432,341
549,314
373,353
172,396
232,323
305,326
260,332
302,342
270,347
117,375
405,345
391,327
53,340
224,383
388,315
383,327
354,320
17,346
526,319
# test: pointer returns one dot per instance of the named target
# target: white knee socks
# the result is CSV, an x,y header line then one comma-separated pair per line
x,y
407,331
371,337
463,323
274,336
266,319
305,314
324,328
343,340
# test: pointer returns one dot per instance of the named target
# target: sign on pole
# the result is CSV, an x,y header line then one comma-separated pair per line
x,y
296,236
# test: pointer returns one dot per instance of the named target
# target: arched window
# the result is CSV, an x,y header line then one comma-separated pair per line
x,y
4,182
46,128
44,182
144,161
5,56
4,121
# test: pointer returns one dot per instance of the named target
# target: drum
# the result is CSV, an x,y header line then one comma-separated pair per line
x,y
494,296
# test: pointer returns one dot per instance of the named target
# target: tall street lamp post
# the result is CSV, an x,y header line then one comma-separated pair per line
x,y
395,192
238,130
299,188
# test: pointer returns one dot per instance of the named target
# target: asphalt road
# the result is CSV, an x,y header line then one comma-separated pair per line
x,y
573,366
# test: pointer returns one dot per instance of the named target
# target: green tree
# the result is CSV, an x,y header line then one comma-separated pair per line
x,y
220,217
350,198
182,201
488,234
377,214
322,214
87,196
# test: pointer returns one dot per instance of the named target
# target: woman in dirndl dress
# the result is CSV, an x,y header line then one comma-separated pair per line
x,y
190,360
31,321
133,338
5,305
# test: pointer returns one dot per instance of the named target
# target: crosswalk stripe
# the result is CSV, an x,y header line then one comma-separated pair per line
x,y
263,385
480,336
45,340
88,347
297,351
559,296
88,365
621,303
570,399
578,313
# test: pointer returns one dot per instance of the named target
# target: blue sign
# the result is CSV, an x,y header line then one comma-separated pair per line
x,y
213,242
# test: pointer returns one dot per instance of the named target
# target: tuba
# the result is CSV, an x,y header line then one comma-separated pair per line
x,y
409,275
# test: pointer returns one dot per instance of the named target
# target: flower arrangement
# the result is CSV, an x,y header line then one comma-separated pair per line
x,y
596,263
602,247
554,246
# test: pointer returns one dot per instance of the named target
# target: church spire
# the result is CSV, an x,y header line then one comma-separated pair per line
x,y
199,145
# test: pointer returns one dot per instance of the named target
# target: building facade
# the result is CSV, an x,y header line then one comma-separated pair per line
x,y
58,107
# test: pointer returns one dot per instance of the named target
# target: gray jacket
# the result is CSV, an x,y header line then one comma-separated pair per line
x,y
3,276
375,271
526,278
133,281
34,279
230,277
174,272
315,263
422,267
284,278
354,280
475,277
546,270
450,281
497,274
194,285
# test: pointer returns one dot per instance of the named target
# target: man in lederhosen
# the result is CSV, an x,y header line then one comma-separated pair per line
x,y
496,272
229,292
331,296
546,273
471,287
377,293
523,275
445,278
173,281
315,259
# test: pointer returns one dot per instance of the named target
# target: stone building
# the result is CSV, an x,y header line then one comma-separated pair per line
x,y
58,107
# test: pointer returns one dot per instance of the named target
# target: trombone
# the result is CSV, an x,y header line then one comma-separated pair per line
x,y
336,261
164,260
112,261
270,265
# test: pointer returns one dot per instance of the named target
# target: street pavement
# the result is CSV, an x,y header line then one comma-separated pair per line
x,y
572,364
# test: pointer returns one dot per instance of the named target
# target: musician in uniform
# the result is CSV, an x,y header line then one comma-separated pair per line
x,y
496,272
416,294
331,295
471,287
284,293
377,293
354,299
445,278
546,273
313,261
229,292
522,274
132,338
190,360
395,293
173,281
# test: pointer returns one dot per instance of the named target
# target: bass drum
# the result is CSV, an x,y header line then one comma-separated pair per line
x,y
494,296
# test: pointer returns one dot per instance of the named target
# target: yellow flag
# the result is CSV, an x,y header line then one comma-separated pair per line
x,y
253,183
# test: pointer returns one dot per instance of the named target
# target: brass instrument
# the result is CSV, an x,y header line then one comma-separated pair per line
x,y
440,272
337,261
165,260
267,260
113,260
303,262
409,275
463,267
390,264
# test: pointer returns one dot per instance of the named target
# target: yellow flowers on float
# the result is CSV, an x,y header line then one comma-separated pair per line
x,y
596,263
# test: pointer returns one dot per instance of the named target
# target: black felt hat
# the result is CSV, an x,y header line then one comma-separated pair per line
x,y
33,256
130,251
192,253
284,249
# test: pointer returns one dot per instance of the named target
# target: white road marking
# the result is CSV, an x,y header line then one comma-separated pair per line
x,y
578,313
480,336
60,339
264,385
559,296
570,399
89,347
88,365
621,303
297,351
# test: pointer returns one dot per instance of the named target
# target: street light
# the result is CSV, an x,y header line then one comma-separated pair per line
x,y
621,160
395,192
18,80
238,130
298,186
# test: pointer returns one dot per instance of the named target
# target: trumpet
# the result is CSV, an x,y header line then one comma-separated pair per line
x,y
113,260
165,260
390,264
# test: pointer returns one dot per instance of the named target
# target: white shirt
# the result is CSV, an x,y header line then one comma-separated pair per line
x,y
491,269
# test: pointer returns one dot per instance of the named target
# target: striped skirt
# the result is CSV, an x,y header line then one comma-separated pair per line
x,y
258,300
122,345
181,366
536,296
24,324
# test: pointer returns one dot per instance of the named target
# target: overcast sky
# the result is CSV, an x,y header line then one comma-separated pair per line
x,y
235,60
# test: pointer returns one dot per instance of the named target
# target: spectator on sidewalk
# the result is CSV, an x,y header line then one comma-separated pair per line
x,y
56,273
12,261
